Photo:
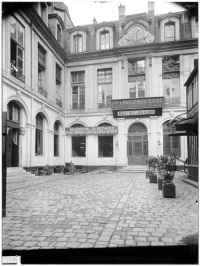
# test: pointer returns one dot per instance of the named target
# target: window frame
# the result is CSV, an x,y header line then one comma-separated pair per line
x,y
106,40
79,85
103,87
170,139
56,139
170,38
78,43
39,135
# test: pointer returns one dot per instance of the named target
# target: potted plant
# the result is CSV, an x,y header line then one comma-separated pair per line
x,y
168,187
162,161
152,162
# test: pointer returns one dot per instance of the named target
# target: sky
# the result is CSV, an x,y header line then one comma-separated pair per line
x,y
83,12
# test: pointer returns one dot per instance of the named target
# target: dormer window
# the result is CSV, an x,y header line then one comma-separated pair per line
x,y
104,40
169,31
78,43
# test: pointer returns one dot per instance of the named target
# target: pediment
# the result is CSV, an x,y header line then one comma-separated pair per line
x,y
143,21
104,24
78,28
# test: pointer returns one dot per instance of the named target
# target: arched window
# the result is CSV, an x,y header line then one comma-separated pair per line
x,y
78,43
56,138
104,40
105,143
78,143
170,143
39,135
13,112
169,31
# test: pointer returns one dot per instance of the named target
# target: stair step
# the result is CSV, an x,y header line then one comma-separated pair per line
x,y
18,172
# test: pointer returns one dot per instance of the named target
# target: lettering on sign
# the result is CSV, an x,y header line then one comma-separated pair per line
x,y
137,112
91,130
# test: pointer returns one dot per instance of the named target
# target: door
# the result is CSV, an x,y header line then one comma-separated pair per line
x,y
12,147
137,145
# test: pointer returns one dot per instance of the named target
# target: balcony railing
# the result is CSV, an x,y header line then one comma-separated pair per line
x,y
18,74
154,102
59,103
170,102
77,107
104,105
42,91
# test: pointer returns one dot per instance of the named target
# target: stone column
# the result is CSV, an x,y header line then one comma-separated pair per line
x,y
122,149
153,140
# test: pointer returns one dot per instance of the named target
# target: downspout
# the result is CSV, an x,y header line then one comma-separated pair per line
x,y
31,128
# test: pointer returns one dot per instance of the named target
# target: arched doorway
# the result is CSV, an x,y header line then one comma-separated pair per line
x,y
13,126
137,144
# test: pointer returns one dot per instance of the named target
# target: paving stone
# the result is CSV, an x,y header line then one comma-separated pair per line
x,y
68,235
60,244
30,244
43,244
153,243
86,245
104,238
167,240
73,245
17,243
47,234
93,236
58,234
143,243
117,241
82,240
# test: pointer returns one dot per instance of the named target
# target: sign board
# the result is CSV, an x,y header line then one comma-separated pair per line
x,y
91,130
136,113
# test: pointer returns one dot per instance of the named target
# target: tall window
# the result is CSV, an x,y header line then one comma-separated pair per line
x,y
78,144
41,70
17,49
104,40
104,87
58,81
78,43
105,143
78,90
170,143
169,31
39,135
56,138
58,33
136,78
171,79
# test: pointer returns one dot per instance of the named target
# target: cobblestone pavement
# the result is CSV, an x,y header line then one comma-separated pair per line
x,y
104,210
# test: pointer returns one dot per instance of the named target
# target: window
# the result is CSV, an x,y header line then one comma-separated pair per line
x,y
13,112
17,49
58,33
136,78
104,40
78,43
78,90
39,135
194,27
105,143
171,79
170,143
104,88
78,144
58,82
169,31
56,138
41,70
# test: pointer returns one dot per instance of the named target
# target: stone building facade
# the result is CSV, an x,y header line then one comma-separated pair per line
x,y
100,94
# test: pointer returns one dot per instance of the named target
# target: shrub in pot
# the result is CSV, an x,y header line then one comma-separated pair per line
x,y
152,162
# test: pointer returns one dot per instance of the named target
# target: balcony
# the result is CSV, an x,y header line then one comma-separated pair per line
x,y
104,105
18,74
172,102
137,103
42,91
76,106
59,103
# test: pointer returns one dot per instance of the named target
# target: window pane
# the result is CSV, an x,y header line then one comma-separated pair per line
x,y
20,35
175,88
56,145
166,88
13,28
105,146
141,89
132,91
78,146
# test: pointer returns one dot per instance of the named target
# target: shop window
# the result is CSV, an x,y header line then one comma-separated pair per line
x,y
39,135
41,70
56,138
78,90
105,143
17,50
169,31
78,146
104,88
171,79
136,78
13,112
170,143
104,40
78,43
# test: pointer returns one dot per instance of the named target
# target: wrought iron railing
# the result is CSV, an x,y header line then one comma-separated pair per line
x,y
18,74
42,91
77,107
59,103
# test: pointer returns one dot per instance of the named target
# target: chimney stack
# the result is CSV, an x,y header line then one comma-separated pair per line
x,y
151,16
94,21
121,13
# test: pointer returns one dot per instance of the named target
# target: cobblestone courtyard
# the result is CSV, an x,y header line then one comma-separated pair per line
x,y
92,211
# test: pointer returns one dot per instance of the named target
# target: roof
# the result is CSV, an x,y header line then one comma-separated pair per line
x,y
191,76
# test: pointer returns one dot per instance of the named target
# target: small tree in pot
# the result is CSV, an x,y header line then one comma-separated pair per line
x,y
162,161
152,162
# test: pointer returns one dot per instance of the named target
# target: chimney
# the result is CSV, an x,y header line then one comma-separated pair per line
x,y
151,16
121,14
94,21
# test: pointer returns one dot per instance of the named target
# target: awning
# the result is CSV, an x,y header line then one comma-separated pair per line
x,y
188,124
179,133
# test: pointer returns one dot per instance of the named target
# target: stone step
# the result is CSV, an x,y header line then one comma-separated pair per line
x,y
18,172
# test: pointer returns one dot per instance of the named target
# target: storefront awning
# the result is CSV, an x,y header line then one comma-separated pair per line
x,y
188,124
179,133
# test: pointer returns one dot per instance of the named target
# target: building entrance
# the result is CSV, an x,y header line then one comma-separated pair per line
x,y
137,144
12,147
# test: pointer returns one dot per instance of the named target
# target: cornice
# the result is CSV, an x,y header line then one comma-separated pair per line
x,y
50,16
78,28
145,48
104,24
169,15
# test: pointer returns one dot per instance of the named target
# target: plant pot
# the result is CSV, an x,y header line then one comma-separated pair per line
x,y
152,178
147,174
49,172
41,172
169,190
160,184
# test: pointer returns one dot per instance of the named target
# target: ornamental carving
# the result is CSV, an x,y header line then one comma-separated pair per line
x,y
136,34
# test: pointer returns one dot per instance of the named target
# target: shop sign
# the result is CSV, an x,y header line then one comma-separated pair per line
x,y
136,113
91,130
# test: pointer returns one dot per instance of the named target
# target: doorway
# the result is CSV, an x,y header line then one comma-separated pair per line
x,y
137,144
12,147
